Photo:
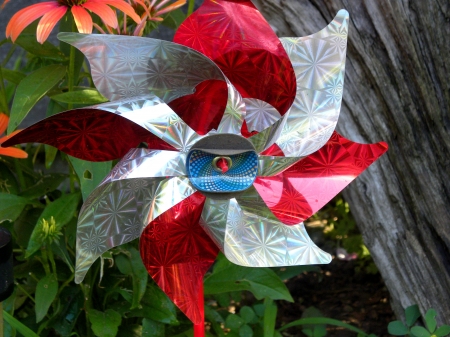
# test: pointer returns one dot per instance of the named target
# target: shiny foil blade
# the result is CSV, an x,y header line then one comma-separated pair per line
x,y
305,187
239,40
255,239
90,134
319,65
177,253
124,67
117,211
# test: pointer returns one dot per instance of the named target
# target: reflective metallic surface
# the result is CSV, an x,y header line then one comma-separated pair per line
x,y
255,241
319,65
172,98
124,67
117,211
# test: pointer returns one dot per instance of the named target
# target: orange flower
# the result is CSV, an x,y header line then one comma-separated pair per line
x,y
52,11
9,151
153,9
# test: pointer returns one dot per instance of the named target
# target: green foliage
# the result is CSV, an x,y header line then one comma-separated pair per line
x,y
262,282
412,314
46,291
31,89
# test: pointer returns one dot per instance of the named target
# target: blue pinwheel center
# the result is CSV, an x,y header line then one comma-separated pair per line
x,y
207,176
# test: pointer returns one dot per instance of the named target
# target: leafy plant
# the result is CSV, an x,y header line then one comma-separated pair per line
x,y
412,315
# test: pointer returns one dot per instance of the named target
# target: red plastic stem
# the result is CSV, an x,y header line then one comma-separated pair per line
x,y
199,329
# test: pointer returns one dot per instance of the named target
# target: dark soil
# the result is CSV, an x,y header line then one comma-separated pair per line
x,y
359,299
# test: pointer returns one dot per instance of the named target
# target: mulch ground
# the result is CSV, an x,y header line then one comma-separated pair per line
x,y
339,292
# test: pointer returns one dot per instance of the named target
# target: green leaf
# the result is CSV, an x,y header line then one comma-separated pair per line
x,y
60,250
156,306
46,291
72,301
308,332
442,331
13,76
20,327
412,313
419,331
24,225
82,97
44,185
262,282
104,324
132,265
247,314
62,210
174,18
245,331
430,320
8,182
45,50
212,315
233,322
31,89
270,316
285,273
11,206
259,309
151,328
89,173
322,320
397,328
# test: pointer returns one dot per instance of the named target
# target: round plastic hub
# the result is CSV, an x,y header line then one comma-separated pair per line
x,y
206,160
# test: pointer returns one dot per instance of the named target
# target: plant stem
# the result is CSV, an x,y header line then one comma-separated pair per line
x,y
25,292
19,174
1,319
71,79
3,100
190,7
52,261
45,260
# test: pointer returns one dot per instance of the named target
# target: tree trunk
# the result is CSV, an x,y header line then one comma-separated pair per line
x,y
396,90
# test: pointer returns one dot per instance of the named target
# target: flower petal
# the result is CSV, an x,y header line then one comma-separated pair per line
x,y
122,6
26,16
305,187
241,42
83,20
4,120
48,22
177,253
13,152
171,7
105,12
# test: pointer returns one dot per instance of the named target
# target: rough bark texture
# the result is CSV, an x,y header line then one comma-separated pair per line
x,y
397,90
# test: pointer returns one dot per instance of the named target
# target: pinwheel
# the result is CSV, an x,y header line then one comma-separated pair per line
x,y
240,145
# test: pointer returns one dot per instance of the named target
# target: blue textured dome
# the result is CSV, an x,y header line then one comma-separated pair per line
x,y
205,176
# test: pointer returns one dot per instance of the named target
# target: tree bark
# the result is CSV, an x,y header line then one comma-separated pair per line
x,y
396,90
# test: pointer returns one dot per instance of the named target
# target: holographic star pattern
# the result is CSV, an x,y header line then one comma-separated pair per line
x,y
230,91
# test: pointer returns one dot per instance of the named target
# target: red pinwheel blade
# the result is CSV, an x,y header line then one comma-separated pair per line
x,y
177,253
89,134
240,41
301,190
203,110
